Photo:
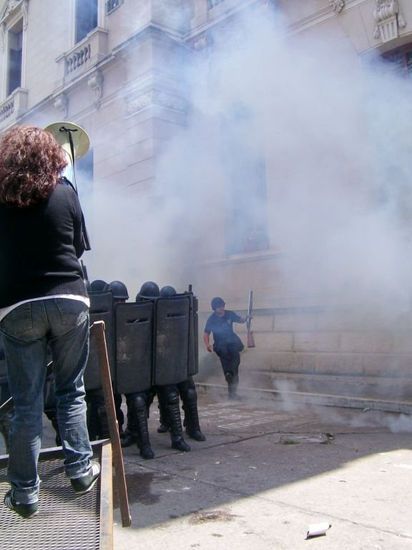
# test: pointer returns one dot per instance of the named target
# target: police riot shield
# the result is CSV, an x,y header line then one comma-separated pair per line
x,y
134,346
193,366
171,339
101,309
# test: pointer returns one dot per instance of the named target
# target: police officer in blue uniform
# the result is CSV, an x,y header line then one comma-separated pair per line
x,y
226,343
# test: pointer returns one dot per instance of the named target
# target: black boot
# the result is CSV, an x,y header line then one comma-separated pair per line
x,y
92,419
232,383
128,439
147,452
191,421
232,391
168,397
137,429
97,422
104,432
143,441
180,444
176,431
129,436
163,423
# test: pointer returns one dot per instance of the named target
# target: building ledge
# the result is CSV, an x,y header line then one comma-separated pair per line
x,y
13,107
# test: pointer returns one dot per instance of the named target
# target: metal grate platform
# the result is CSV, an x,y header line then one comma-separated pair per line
x,y
65,521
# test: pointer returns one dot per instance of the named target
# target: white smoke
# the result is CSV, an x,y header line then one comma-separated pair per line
x,y
334,134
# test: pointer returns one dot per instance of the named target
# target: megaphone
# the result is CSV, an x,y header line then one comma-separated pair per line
x,y
75,143
72,138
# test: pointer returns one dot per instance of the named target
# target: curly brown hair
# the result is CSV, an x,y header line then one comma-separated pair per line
x,y
31,162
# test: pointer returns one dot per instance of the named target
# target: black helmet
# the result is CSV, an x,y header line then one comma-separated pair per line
x,y
217,302
119,290
167,291
149,289
99,286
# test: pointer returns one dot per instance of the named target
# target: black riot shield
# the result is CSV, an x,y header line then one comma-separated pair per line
x,y
193,366
101,309
134,346
171,339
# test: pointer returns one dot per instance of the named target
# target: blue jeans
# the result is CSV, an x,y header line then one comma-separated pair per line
x,y
60,325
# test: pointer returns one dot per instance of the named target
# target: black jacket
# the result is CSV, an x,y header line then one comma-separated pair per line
x,y
40,247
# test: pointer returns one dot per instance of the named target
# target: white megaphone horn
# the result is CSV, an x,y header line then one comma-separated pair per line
x,y
72,137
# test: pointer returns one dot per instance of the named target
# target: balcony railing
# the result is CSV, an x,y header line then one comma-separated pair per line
x,y
13,107
84,55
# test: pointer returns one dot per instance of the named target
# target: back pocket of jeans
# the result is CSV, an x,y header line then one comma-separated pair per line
x,y
19,321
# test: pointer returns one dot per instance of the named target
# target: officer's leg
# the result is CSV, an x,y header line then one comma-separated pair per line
x,y
119,412
163,421
50,406
188,395
232,376
97,422
228,361
169,398
137,427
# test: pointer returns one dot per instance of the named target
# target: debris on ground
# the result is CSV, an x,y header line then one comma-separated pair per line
x,y
293,439
211,515
317,529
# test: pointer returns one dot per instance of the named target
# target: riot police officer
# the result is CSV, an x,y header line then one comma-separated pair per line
x,y
98,285
227,344
188,395
168,394
138,403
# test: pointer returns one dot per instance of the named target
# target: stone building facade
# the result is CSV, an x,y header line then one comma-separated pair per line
x,y
115,68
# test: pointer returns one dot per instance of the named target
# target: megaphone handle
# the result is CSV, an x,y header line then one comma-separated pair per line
x,y
72,153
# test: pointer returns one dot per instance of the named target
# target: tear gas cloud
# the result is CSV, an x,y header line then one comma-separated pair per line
x,y
334,133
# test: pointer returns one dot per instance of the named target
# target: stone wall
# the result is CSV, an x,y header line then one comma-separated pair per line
x,y
320,351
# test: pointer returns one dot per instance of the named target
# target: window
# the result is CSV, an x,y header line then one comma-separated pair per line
x,y
246,215
400,60
15,57
86,18
84,175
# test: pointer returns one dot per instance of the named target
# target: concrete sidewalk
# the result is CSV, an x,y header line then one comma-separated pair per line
x,y
266,473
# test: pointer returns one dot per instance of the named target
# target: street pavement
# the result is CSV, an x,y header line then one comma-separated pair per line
x,y
268,472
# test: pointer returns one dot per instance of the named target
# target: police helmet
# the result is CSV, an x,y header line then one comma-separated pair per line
x,y
99,286
217,302
167,291
149,289
119,290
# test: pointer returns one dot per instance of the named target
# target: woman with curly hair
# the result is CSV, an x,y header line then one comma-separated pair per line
x,y
43,306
